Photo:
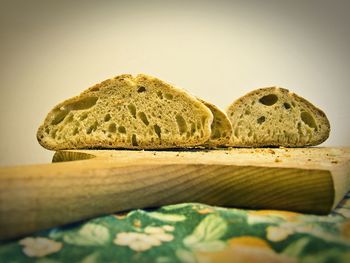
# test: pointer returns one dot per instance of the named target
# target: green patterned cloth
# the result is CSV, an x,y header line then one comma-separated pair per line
x,y
192,233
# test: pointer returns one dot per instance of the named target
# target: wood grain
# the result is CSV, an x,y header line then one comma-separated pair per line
x,y
36,197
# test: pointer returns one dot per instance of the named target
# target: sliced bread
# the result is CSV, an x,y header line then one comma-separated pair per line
x,y
139,112
221,129
276,117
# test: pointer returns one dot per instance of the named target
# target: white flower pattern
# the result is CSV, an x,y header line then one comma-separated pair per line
x,y
39,246
152,237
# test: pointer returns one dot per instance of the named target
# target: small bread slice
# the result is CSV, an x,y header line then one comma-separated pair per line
x,y
274,116
221,129
139,112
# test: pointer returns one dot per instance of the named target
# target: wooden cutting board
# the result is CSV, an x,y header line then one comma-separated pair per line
x,y
97,182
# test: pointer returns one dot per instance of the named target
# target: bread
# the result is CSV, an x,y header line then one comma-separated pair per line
x,y
276,117
139,112
221,129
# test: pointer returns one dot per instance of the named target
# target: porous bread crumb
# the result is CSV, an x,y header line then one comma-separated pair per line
x,y
276,117
139,112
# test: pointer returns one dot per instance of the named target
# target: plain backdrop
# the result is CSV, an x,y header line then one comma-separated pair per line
x,y
218,50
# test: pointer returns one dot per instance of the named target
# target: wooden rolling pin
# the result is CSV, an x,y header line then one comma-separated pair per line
x,y
37,197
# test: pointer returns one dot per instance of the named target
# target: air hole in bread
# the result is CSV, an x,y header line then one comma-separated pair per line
x,y
59,116
308,119
83,116
160,94
82,104
69,118
107,117
193,128
261,119
286,106
181,123
247,112
47,130
53,134
157,130
75,131
121,129
268,100
134,140
143,117
141,89
216,134
168,96
92,128
132,110
112,127
203,119
250,133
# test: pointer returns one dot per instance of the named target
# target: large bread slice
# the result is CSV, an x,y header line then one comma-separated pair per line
x,y
139,112
221,129
276,117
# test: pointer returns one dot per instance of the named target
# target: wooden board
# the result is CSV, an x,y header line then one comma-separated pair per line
x,y
34,197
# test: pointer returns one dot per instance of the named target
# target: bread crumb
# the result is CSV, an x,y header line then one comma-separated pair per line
x,y
277,160
271,151
334,162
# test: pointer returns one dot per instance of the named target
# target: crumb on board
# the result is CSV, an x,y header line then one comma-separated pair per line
x,y
278,160
271,151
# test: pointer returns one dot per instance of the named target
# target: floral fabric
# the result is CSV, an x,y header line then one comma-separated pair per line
x,y
192,233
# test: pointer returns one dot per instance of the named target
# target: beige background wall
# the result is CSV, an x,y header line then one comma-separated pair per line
x,y
219,50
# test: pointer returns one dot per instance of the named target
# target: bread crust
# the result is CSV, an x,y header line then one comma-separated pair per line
x,y
221,129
